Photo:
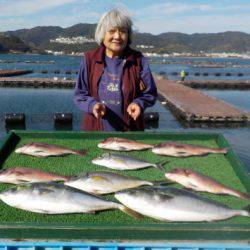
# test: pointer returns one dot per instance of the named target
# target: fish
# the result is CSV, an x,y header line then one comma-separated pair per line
x,y
199,182
124,162
56,198
18,175
105,182
122,144
41,149
178,205
178,149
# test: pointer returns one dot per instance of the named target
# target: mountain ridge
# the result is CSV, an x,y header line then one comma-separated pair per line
x,y
42,38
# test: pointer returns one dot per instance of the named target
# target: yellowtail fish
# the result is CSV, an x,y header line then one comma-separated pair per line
x,y
124,162
56,198
177,149
20,175
173,204
40,149
105,182
199,182
122,144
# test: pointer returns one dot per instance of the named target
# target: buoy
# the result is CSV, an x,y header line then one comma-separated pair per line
x,y
11,118
151,117
63,117
57,71
228,74
217,74
68,72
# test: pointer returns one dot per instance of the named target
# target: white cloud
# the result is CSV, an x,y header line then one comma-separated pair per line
x,y
26,7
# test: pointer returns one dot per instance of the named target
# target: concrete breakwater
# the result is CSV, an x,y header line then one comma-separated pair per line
x,y
13,72
36,82
218,84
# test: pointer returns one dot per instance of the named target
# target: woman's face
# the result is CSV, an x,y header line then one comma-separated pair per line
x,y
115,41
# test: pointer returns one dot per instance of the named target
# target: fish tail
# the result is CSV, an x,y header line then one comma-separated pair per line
x,y
246,211
130,212
221,150
243,196
159,165
80,152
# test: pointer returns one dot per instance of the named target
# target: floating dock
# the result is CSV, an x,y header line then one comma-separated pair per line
x,y
189,104
218,84
10,72
36,82
194,106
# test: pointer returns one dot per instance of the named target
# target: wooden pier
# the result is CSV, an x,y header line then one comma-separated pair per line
x,y
194,106
218,84
36,82
13,72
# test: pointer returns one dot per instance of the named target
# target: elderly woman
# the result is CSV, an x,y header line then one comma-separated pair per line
x,y
114,84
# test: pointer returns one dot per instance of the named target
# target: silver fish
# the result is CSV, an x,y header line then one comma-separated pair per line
x,y
104,182
177,149
55,198
40,149
173,204
122,144
199,182
20,175
124,162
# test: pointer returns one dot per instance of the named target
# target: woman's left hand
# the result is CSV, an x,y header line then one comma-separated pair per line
x,y
134,110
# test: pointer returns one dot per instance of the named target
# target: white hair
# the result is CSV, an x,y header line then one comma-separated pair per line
x,y
115,18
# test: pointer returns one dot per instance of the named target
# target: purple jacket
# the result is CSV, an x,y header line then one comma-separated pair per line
x,y
85,101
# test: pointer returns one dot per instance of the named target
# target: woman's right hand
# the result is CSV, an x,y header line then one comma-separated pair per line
x,y
99,110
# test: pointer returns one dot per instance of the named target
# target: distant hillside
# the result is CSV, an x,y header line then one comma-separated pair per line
x,y
12,43
45,38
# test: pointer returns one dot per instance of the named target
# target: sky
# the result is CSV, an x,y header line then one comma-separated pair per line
x,y
151,16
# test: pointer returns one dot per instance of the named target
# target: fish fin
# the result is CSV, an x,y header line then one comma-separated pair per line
x,y
90,212
81,152
186,172
245,196
159,165
131,213
164,197
182,153
122,148
45,191
38,152
100,178
162,183
21,181
43,211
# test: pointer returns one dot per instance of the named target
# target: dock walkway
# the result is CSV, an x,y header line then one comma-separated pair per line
x,y
218,84
193,105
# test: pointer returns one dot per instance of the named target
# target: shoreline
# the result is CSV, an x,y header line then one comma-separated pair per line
x,y
231,55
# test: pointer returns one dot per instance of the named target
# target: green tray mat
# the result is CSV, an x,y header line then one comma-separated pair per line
x,y
225,168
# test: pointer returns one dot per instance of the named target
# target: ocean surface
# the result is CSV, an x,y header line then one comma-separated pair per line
x,y
39,105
